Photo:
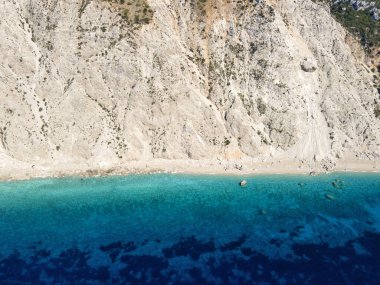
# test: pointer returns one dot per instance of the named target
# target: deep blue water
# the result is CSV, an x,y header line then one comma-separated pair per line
x,y
181,229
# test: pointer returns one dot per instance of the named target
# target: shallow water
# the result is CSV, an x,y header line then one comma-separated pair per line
x,y
180,229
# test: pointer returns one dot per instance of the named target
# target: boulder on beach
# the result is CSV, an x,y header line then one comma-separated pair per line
x,y
308,65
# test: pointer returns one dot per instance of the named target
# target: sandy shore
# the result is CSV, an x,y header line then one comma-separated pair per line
x,y
25,171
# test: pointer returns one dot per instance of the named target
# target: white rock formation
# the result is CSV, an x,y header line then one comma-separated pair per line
x,y
226,80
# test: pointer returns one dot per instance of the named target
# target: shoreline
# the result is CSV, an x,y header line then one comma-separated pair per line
x,y
191,167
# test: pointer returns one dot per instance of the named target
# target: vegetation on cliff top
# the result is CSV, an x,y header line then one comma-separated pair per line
x,y
132,11
364,24
359,22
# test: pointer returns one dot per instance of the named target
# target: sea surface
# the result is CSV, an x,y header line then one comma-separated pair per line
x,y
187,229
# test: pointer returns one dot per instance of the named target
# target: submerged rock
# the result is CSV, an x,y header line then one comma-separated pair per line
x,y
263,212
329,196
337,183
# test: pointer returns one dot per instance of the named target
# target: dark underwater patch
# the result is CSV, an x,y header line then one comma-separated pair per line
x,y
311,264
189,246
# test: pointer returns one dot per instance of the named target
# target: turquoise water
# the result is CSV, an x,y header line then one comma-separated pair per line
x,y
182,229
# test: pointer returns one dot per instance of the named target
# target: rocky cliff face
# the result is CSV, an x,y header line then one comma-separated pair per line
x,y
100,81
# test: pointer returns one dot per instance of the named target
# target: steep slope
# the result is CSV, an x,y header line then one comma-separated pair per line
x,y
104,83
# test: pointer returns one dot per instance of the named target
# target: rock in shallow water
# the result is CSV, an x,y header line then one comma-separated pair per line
x,y
329,197
337,184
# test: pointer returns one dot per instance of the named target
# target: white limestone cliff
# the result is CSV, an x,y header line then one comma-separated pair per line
x,y
216,81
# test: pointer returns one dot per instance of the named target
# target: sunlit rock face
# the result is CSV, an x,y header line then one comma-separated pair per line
x,y
105,81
